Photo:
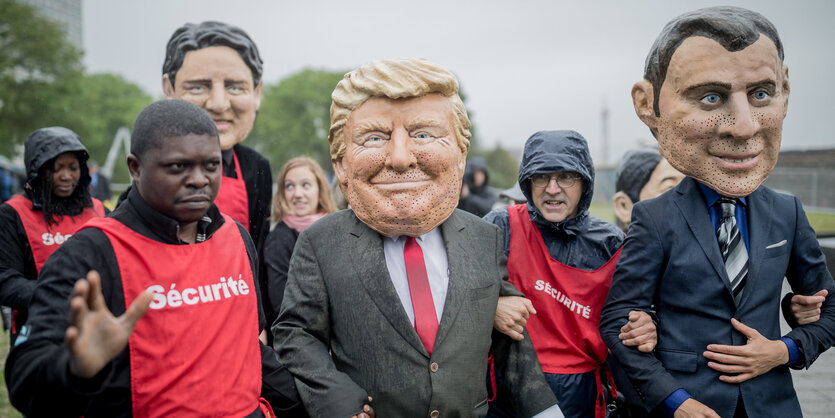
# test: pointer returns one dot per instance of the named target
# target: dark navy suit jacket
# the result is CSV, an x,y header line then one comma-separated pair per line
x,y
671,262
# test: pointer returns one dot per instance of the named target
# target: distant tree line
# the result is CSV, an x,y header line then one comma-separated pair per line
x,y
43,83
295,117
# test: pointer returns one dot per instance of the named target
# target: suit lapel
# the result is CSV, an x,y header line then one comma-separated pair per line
x,y
371,271
759,223
691,203
456,250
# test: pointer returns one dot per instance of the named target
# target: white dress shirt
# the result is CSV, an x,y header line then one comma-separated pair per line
x,y
437,269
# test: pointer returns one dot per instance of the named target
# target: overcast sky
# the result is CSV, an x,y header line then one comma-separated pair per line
x,y
524,66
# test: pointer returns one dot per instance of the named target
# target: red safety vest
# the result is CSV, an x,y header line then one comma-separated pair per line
x,y
566,328
196,352
232,198
44,239
565,331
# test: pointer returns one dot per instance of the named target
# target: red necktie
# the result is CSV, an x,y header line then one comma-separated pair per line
x,y
426,320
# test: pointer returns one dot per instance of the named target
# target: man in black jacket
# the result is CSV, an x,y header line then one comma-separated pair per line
x,y
153,331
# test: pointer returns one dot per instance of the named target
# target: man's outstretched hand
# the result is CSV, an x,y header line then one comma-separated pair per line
x,y
739,363
95,337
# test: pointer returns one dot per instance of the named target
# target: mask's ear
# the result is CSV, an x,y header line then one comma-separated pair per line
x,y
258,94
623,208
786,89
339,171
167,87
643,99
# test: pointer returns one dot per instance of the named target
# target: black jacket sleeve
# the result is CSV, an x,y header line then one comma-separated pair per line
x,y
258,179
807,274
37,370
17,267
278,249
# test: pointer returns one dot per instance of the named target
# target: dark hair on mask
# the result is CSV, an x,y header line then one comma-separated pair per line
x,y
191,37
635,169
40,192
734,28
165,119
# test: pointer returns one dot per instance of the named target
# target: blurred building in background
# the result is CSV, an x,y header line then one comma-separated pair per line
x,y
66,12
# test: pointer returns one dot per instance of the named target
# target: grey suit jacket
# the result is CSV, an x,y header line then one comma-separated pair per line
x,y
344,334
671,260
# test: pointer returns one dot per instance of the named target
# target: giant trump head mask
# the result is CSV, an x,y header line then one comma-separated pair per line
x,y
399,138
714,95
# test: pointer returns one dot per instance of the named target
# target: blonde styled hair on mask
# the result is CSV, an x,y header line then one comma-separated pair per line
x,y
280,206
399,78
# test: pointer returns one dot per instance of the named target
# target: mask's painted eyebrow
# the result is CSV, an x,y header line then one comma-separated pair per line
x,y
767,83
371,126
201,81
234,82
710,85
423,123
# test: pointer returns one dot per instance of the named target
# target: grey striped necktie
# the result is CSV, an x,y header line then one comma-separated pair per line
x,y
733,248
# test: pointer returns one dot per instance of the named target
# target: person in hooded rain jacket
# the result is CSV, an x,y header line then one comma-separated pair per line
x,y
562,259
477,197
56,202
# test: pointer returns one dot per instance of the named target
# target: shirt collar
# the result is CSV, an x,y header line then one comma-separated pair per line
x,y
166,227
435,233
711,196
228,159
227,156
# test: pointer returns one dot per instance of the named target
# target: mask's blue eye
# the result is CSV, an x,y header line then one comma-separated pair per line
x,y
760,95
711,98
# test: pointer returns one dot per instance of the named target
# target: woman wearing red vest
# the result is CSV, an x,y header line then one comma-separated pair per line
x,y
562,259
32,226
302,197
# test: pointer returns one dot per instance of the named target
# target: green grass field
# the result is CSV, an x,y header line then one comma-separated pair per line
x,y
822,223
6,409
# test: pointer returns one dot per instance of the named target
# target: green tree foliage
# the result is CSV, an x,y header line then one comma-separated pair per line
x,y
502,165
105,103
42,83
39,73
295,117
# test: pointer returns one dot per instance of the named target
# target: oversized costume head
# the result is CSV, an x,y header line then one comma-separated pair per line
x,y
399,138
217,67
715,93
